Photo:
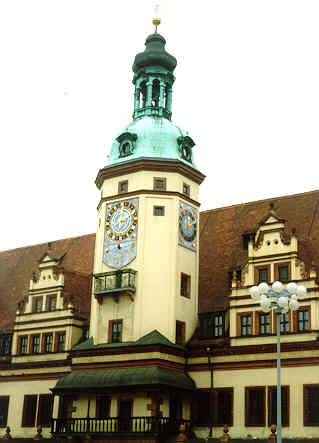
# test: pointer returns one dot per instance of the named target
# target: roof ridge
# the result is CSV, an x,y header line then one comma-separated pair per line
x,y
45,243
260,201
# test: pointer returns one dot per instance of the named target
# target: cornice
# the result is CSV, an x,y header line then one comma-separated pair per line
x,y
148,165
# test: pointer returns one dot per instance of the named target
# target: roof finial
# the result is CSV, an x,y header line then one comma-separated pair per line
x,y
156,19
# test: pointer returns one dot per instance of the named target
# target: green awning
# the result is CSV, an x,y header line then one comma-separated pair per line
x,y
118,378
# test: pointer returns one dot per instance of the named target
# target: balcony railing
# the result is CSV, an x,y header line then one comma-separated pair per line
x,y
113,425
115,283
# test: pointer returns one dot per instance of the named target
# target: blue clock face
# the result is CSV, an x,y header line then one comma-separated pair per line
x,y
121,221
187,225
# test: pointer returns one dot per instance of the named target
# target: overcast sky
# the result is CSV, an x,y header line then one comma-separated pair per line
x,y
246,89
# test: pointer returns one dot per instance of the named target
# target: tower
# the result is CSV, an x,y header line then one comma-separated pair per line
x,y
146,253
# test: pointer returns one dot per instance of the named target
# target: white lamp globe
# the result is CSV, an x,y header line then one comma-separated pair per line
x,y
283,302
293,297
293,304
263,288
301,292
254,293
277,286
263,297
292,288
265,305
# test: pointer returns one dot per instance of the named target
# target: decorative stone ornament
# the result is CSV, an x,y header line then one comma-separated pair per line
x,y
38,435
127,143
181,436
225,437
121,230
7,435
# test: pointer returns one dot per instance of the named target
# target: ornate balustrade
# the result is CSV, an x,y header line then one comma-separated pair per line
x,y
115,283
113,425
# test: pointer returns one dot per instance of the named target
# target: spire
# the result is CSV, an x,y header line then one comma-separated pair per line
x,y
156,19
153,78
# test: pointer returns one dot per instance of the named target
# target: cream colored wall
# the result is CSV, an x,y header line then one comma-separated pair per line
x,y
295,377
16,390
159,263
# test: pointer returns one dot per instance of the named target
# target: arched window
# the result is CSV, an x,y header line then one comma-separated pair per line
x,y
155,93
142,95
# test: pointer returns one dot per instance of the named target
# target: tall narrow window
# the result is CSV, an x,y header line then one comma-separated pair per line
x,y
52,303
272,405
44,410
255,406
245,324
4,406
35,344
302,320
103,406
29,410
115,331
5,344
283,273
38,304
284,323
61,342
23,344
180,332
185,285
186,189
311,405
263,275
223,410
48,343
264,324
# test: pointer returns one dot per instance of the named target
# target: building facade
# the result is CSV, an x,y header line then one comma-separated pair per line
x,y
148,323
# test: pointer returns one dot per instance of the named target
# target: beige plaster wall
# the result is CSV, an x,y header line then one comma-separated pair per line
x,y
294,377
16,390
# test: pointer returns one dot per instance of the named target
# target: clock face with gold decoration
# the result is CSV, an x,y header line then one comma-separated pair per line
x,y
121,231
187,226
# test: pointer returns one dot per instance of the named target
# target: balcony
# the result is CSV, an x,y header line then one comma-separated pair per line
x,y
117,426
115,283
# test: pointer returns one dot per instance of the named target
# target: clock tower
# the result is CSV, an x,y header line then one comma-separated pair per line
x,y
145,274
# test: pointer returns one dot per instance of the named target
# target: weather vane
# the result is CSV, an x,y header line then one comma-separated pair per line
x,y
156,19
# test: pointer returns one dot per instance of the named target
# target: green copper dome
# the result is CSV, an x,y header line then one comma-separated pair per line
x,y
152,137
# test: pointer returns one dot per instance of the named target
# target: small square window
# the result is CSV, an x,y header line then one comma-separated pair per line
x,y
123,187
159,211
159,184
186,189
185,285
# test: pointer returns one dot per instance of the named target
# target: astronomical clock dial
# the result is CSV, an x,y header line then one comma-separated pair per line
x,y
120,233
187,226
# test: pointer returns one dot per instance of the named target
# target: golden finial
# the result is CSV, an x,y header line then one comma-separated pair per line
x,y
156,19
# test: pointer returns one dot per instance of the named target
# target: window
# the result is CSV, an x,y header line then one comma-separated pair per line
x,y
103,406
264,324
115,331
255,406
123,187
61,342
282,271
29,410
38,304
35,344
23,345
245,324
311,405
44,410
4,406
185,285
159,211
180,333
262,274
212,325
272,405
284,323
200,407
186,189
48,343
5,344
33,404
159,184
302,320
223,406
52,303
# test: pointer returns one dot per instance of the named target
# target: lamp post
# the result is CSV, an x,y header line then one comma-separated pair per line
x,y
210,367
281,299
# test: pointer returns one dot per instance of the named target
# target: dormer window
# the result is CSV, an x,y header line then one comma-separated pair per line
x,y
127,144
186,145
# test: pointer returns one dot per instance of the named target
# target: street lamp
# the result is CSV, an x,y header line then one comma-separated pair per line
x,y
211,392
281,299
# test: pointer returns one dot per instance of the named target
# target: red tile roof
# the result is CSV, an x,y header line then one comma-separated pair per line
x,y
18,265
221,250
221,243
